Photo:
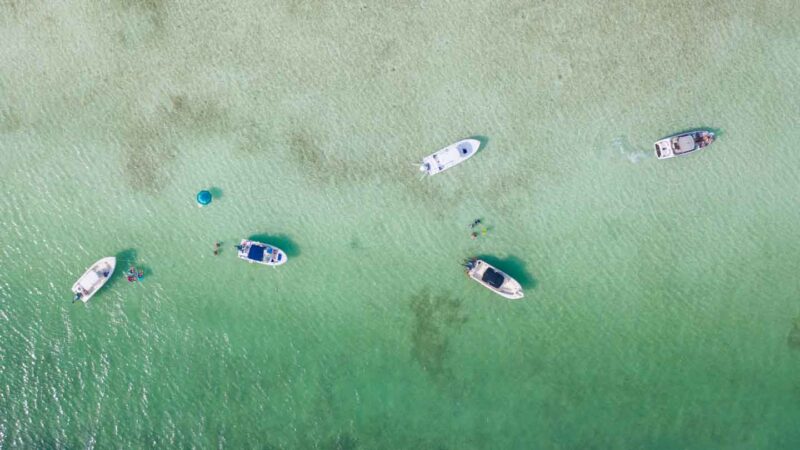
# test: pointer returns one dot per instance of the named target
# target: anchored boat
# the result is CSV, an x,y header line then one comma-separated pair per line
x,y
260,253
494,279
449,156
94,278
683,143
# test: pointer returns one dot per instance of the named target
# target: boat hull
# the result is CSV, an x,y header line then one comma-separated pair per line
x,y
683,144
510,288
94,278
260,253
450,156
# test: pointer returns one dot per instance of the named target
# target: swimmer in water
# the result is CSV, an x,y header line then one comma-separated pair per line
x,y
475,223
216,249
473,235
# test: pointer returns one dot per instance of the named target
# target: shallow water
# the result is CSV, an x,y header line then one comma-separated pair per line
x,y
661,296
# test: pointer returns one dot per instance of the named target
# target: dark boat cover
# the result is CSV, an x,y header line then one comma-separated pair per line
x,y
492,278
256,253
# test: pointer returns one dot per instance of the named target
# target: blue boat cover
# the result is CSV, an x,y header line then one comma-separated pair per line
x,y
256,253
493,278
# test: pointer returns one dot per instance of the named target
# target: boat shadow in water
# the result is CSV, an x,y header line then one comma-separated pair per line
x,y
514,267
126,258
216,193
281,241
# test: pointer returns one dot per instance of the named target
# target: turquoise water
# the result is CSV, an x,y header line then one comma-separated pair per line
x,y
661,305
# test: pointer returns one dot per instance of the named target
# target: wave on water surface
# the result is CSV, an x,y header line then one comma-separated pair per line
x,y
623,147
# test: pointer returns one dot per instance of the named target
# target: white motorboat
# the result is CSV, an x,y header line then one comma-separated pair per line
x,y
683,143
94,278
449,156
260,253
494,279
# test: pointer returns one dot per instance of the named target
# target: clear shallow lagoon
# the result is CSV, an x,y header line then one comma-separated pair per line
x,y
661,295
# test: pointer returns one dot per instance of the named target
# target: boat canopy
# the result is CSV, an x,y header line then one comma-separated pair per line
x,y
493,278
256,253
684,143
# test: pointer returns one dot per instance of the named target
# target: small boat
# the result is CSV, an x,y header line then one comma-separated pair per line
x,y
494,279
94,278
449,156
683,143
257,252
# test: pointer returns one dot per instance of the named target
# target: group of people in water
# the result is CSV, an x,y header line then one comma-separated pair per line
x,y
475,223
134,274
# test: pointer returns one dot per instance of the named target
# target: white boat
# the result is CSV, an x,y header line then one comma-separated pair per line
x,y
94,278
449,156
257,252
683,143
494,279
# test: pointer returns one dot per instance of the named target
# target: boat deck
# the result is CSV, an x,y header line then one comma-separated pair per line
x,y
449,156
